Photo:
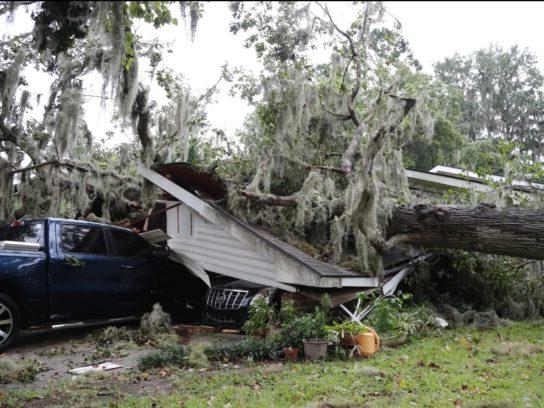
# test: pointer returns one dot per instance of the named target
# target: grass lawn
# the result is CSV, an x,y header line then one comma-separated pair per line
x,y
456,368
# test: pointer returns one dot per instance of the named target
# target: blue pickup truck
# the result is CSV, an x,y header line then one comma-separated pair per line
x,y
80,272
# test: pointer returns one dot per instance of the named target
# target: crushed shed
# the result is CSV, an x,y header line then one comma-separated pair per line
x,y
206,235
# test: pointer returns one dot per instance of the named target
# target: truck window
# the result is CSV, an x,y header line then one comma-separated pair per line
x,y
23,231
83,240
128,243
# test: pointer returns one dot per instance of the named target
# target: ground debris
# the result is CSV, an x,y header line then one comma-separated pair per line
x,y
367,370
105,366
19,371
157,321
486,320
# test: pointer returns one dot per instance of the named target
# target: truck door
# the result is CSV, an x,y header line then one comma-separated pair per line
x,y
84,280
139,270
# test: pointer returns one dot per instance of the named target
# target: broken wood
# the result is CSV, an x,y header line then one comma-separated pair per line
x,y
145,217
513,231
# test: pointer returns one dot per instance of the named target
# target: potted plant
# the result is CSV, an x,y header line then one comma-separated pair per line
x,y
290,353
346,332
395,322
315,333
261,318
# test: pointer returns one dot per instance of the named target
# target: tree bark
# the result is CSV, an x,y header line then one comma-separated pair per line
x,y
484,228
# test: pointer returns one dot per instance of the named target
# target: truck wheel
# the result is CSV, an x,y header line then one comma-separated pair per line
x,y
10,321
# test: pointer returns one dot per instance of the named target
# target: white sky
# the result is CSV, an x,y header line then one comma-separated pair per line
x,y
434,30
439,29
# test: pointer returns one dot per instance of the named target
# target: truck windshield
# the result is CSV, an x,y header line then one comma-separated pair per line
x,y
23,231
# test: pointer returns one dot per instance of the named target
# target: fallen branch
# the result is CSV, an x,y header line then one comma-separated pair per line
x,y
484,228
270,199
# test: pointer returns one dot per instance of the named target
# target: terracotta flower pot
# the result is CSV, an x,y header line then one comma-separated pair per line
x,y
290,354
315,349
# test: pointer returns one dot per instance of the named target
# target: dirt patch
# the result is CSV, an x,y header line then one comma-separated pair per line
x,y
148,386
516,349
59,351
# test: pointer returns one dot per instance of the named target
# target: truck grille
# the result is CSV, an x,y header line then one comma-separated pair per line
x,y
226,299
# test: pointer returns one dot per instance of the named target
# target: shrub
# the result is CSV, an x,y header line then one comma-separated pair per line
x,y
251,348
385,316
481,282
171,355
261,317
391,315
415,320
157,321
24,371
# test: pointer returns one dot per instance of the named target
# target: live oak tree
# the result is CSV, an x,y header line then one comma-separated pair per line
x,y
53,166
328,142
327,138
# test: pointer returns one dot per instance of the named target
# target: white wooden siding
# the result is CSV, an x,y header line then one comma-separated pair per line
x,y
216,250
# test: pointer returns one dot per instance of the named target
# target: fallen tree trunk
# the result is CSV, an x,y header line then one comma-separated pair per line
x,y
510,231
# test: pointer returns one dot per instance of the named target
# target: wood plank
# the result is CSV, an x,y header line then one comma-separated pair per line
x,y
181,194
155,236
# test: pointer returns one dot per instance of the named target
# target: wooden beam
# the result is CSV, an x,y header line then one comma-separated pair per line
x,y
173,189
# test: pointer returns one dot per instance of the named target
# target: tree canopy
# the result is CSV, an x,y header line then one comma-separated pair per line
x,y
338,113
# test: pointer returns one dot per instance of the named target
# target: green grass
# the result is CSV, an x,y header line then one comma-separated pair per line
x,y
502,367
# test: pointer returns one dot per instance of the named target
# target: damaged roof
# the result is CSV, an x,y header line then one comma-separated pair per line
x,y
202,183
322,268
208,186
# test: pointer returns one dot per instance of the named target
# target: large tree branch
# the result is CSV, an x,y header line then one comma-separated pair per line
x,y
351,152
313,166
270,199
395,118
37,166
355,57
484,228
80,166
403,108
